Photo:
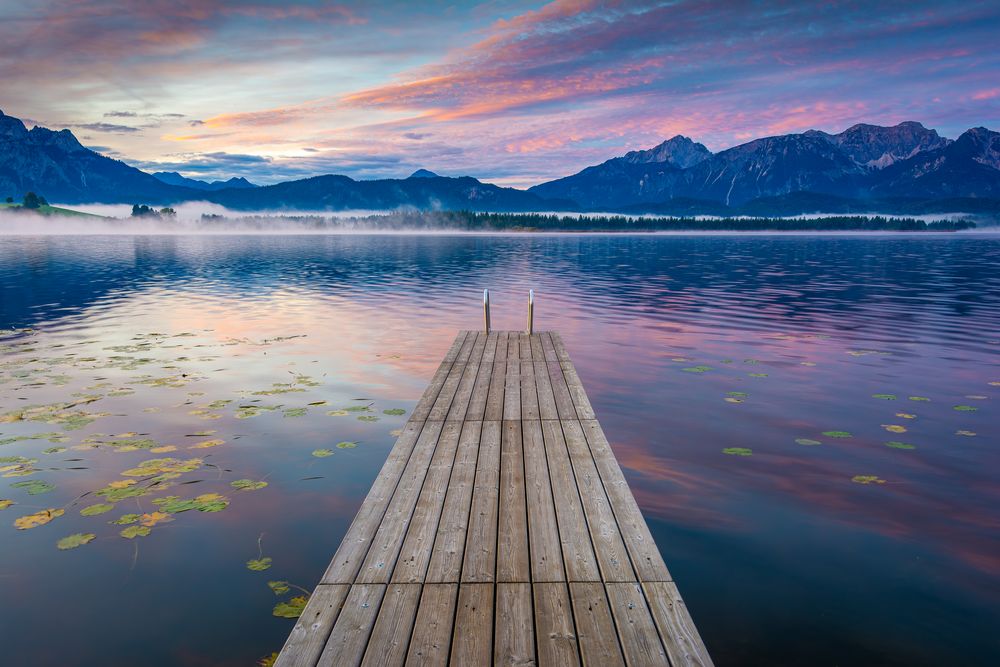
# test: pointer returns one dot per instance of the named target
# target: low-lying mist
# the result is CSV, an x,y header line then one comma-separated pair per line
x,y
208,218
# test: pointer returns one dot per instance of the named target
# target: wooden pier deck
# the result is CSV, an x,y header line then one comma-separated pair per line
x,y
499,531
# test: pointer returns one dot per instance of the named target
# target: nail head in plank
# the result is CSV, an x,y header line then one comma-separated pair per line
x,y
432,631
473,640
349,638
595,628
636,629
391,635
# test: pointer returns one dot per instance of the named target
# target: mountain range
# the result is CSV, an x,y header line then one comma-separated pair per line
x,y
866,168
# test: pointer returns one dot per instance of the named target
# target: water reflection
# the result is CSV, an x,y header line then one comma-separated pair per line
x,y
783,559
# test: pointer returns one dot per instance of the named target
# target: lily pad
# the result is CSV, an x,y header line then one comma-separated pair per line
x,y
292,608
965,408
737,394
126,519
37,519
133,532
697,369
34,487
338,413
346,445
259,564
885,397
247,485
837,434
894,428
906,415
367,418
94,510
757,375
394,412
738,451
867,479
322,453
74,541
279,587
296,412
807,441
895,444
4,503
920,399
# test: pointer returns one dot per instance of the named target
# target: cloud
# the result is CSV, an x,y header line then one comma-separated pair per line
x,y
108,127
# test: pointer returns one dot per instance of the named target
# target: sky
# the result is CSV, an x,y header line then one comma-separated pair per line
x,y
508,91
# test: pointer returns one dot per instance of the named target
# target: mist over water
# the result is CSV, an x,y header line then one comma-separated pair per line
x,y
783,559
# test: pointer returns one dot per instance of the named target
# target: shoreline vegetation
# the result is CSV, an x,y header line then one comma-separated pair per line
x,y
146,219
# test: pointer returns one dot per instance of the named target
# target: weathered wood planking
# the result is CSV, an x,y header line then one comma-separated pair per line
x,y
500,531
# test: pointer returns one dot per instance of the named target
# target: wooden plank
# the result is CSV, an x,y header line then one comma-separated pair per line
x,y
489,352
427,399
415,554
313,627
481,539
354,547
543,530
494,400
466,350
512,390
608,544
381,559
594,626
442,405
577,548
559,346
514,633
528,393
677,631
460,403
524,347
502,339
390,637
513,346
536,347
431,640
639,638
512,538
584,409
480,392
349,638
547,347
560,392
646,557
472,643
554,628
543,386
449,544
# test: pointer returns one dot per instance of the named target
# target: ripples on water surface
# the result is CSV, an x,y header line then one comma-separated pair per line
x,y
781,556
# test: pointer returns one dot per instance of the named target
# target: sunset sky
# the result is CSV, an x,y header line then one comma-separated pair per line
x,y
509,91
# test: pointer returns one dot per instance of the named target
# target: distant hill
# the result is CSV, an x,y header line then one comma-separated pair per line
x,y
865,164
173,178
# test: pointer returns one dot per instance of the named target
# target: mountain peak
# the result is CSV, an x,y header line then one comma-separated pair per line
x,y
423,173
679,151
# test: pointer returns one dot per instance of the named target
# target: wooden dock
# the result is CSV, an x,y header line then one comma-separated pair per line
x,y
499,531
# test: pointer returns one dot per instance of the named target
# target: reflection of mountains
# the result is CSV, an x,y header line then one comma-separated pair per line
x,y
877,288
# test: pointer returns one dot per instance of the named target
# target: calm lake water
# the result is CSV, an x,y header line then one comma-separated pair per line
x,y
221,359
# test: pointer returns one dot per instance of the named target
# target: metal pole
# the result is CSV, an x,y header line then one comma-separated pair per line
x,y
531,311
486,308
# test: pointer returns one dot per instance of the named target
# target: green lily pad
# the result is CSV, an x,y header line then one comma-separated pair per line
x,y
394,412
737,394
296,412
895,444
757,375
74,541
885,397
132,532
738,451
367,418
247,485
697,369
965,408
919,399
259,564
322,453
279,587
94,510
867,479
837,434
126,519
34,487
292,608
338,413
807,441
358,408
346,445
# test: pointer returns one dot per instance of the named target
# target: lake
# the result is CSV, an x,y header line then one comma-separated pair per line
x,y
257,381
